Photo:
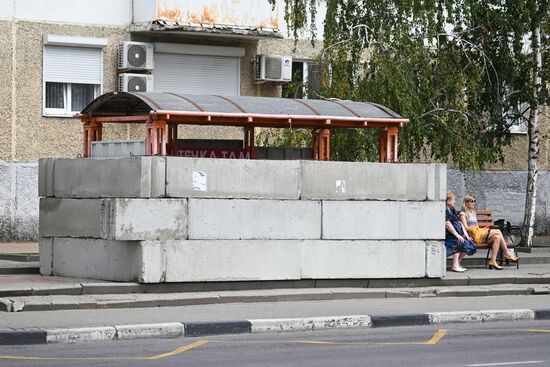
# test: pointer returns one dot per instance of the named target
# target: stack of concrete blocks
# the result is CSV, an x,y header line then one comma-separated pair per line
x,y
173,219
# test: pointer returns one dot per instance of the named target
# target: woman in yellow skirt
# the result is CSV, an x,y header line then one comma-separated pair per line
x,y
492,236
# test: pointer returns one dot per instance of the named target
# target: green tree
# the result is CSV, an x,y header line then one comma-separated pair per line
x,y
462,71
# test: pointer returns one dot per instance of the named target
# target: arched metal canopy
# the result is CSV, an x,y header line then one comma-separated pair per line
x,y
239,110
163,111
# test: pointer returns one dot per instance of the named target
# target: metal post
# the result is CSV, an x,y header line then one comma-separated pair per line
x,y
156,138
382,144
315,144
172,139
324,145
92,131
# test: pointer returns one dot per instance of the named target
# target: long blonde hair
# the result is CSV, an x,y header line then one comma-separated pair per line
x,y
467,199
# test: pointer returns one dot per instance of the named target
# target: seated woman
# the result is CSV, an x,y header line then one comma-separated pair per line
x,y
457,242
492,236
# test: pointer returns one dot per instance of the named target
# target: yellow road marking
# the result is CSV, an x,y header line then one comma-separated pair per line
x,y
434,340
155,357
437,337
537,330
180,349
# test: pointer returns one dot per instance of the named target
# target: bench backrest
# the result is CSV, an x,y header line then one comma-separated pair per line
x,y
484,218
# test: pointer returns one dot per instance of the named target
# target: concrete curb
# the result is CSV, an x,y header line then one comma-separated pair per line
x,y
375,286
199,329
40,302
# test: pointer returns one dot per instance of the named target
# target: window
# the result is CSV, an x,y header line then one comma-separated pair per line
x,y
517,118
72,77
306,80
68,98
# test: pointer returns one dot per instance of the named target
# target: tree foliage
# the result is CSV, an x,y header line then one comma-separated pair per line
x,y
460,70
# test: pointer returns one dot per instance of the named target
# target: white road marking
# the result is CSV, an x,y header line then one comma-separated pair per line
x,y
503,363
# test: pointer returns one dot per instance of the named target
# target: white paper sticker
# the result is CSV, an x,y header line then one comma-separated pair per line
x,y
341,186
199,181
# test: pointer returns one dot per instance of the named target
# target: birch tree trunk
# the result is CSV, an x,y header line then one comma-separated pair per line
x,y
533,134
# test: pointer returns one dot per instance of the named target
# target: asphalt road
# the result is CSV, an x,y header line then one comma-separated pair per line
x,y
524,343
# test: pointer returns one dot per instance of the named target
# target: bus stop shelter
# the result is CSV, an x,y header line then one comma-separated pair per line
x,y
162,112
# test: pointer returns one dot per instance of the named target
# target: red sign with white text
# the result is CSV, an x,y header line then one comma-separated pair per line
x,y
213,153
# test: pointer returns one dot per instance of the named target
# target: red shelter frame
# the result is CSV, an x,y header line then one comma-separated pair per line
x,y
161,127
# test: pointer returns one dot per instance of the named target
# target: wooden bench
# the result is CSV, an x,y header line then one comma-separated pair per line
x,y
485,219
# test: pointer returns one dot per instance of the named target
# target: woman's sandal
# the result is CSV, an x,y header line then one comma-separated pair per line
x,y
493,265
510,257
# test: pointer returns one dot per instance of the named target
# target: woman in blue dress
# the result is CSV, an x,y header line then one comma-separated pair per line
x,y
457,242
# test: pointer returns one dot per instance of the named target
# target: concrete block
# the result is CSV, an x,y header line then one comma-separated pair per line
x,y
117,219
196,261
342,322
371,181
507,315
436,261
153,262
363,259
45,247
281,325
148,219
454,317
97,259
84,334
383,220
163,330
437,182
254,219
74,217
45,176
232,178
143,177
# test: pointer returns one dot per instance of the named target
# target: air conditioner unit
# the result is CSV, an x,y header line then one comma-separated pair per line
x,y
272,68
135,82
135,56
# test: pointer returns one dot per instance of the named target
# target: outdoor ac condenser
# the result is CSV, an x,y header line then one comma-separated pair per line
x,y
135,56
135,82
272,68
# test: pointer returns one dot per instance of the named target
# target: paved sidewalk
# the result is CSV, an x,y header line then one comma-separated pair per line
x,y
266,310
18,247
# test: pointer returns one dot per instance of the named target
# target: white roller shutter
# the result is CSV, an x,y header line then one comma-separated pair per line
x,y
197,74
72,64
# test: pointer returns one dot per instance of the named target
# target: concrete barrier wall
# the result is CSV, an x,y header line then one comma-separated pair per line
x,y
238,260
192,220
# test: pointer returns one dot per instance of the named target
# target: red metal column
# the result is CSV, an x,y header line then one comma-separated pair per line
x,y
393,142
156,137
388,144
172,139
315,144
92,131
249,144
324,145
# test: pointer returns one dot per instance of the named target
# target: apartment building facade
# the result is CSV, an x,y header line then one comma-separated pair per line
x,y
58,55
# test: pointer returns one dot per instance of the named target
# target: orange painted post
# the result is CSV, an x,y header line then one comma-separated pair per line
x,y
324,145
388,144
249,144
315,144
392,144
382,144
156,138
92,131
172,139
